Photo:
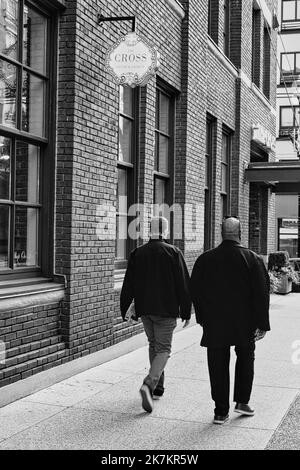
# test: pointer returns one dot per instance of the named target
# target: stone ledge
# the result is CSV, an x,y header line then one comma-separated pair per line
x,y
176,7
31,296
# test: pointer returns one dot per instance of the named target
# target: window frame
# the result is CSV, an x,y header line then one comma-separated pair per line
x,y
296,12
168,178
131,169
46,143
209,188
227,28
285,77
266,85
226,195
293,108
212,20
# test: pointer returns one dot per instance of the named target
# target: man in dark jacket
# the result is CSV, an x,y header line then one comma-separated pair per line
x,y
230,292
157,280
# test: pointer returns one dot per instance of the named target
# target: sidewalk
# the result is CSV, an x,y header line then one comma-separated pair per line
x,y
101,408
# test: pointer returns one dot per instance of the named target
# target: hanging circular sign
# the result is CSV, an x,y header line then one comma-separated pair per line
x,y
132,61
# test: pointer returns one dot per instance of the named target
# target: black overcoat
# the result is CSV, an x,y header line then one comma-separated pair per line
x,y
230,292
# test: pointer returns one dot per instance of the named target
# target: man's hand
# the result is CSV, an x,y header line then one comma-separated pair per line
x,y
259,334
186,323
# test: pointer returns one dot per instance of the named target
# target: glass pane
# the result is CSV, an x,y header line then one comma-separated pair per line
x,y
287,117
4,224
208,138
122,191
27,172
26,237
164,113
298,10
33,104
8,93
34,40
225,148
5,161
125,140
163,156
224,178
121,238
159,191
297,63
287,63
206,171
126,100
9,28
288,10
224,206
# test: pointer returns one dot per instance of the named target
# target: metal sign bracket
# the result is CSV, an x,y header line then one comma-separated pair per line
x,y
101,19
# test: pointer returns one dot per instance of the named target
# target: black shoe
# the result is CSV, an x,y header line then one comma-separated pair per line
x,y
244,409
147,401
218,419
158,392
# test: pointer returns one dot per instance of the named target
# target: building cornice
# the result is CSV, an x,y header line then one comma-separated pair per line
x,y
176,6
212,46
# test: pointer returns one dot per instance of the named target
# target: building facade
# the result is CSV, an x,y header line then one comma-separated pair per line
x,y
84,162
288,124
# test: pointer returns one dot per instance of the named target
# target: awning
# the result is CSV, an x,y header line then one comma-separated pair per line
x,y
274,172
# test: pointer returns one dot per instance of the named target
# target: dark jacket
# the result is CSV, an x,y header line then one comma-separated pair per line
x,y
230,292
158,280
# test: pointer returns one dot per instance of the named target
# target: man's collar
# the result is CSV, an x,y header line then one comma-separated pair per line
x,y
234,242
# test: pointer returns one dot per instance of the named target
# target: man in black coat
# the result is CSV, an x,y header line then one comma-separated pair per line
x,y
157,280
230,292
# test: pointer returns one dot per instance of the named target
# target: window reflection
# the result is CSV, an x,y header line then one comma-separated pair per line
x,y
4,223
33,96
5,162
34,40
27,172
8,93
26,236
9,28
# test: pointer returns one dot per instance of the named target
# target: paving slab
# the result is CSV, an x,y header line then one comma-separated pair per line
x,y
92,429
67,392
22,415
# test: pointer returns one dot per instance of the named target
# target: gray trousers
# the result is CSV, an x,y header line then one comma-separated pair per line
x,y
159,331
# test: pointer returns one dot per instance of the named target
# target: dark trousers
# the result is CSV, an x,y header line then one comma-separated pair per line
x,y
218,366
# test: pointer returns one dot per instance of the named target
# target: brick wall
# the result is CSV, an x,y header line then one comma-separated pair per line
x,y
203,81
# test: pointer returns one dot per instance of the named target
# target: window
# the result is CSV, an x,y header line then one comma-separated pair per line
x,y
213,15
128,103
289,116
25,86
164,148
225,172
256,23
290,65
210,135
290,10
266,62
226,28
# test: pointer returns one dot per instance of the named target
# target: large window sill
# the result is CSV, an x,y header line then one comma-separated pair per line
x,y
22,293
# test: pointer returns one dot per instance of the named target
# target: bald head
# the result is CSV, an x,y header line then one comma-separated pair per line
x,y
159,227
231,229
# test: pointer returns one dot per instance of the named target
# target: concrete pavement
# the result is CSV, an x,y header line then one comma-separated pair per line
x,y
101,408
